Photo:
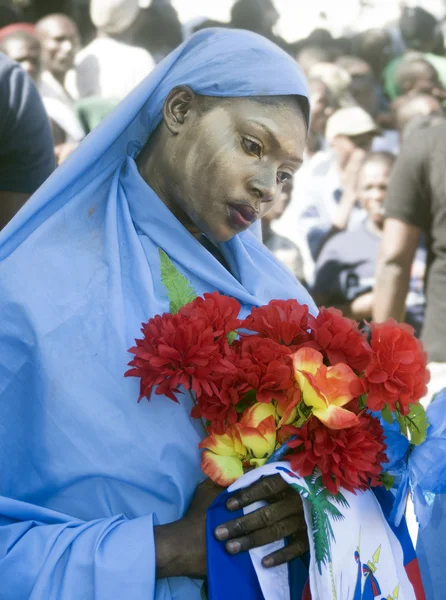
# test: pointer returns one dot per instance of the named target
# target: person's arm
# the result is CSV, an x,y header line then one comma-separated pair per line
x,y
407,209
349,197
341,218
45,554
360,308
397,251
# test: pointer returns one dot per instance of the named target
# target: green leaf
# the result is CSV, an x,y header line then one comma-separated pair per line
x,y
387,480
179,289
387,414
232,336
362,401
417,423
402,423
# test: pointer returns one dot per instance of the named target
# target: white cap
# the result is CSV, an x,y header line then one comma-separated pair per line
x,y
350,121
113,16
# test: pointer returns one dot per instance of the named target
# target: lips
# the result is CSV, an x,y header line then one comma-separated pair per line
x,y
246,211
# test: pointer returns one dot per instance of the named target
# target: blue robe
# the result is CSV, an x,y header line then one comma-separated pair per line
x,y
86,472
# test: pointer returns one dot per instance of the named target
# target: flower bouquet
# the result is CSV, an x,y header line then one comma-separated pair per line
x,y
282,384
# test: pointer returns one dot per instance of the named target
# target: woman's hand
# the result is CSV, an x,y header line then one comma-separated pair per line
x,y
282,517
181,546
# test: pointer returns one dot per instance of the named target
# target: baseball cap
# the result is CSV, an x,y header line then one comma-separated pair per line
x,y
350,121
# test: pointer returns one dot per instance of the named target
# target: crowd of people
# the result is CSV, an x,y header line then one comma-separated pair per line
x,y
363,222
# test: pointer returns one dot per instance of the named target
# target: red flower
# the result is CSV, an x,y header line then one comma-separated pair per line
x,y
268,366
349,458
219,408
217,311
284,321
397,371
338,338
179,351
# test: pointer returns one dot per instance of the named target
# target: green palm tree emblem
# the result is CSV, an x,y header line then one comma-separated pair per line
x,y
323,507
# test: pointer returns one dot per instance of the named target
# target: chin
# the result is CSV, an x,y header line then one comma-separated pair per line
x,y
217,232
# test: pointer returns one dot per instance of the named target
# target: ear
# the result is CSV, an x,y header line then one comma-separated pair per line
x,y
177,107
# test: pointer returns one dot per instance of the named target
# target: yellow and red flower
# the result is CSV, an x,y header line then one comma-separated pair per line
x,y
326,389
247,443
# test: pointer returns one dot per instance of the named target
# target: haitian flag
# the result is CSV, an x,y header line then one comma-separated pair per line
x,y
355,554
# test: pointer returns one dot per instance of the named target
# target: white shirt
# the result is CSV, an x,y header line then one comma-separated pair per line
x,y
314,203
60,107
111,69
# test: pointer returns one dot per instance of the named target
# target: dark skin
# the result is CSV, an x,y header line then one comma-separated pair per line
x,y
59,38
24,50
205,156
204,159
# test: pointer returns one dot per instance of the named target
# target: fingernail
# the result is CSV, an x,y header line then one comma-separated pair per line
x,y
222,533
268,562
233,547
232,504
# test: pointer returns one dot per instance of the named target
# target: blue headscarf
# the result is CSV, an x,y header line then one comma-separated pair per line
x,y
86,472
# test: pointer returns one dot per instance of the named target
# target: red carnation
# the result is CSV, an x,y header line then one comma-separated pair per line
x,y
219,408
349,458
268,366
217,311
338,338
284,321
397,371
179,351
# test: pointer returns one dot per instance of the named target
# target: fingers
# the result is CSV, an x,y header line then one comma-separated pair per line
x,y
262,518
293,550
263,489
261,537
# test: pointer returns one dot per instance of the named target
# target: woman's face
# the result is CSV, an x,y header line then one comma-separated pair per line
x,y
228,163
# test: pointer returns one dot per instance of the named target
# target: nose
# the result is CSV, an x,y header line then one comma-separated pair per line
x,y
263,186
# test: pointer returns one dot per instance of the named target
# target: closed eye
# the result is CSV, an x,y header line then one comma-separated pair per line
x,y
252,147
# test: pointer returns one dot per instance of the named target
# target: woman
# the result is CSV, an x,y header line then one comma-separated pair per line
x,y
95,487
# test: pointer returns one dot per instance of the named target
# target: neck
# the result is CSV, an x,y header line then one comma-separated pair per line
x,y
266,230
59,77
374,228
153,167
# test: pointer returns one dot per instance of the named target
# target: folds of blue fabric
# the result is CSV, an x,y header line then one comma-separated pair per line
x,y
45,555
233,576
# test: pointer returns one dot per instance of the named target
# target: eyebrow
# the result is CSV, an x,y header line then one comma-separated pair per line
x,y
271,135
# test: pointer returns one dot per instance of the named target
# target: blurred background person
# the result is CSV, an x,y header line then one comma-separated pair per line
x,y
283,249
416,205
23,48
346,267
375,47
421,32
110,66
415,75
26,145
158,29
309,56
59,39
338,81
323,105
406,109
324,199
259,16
